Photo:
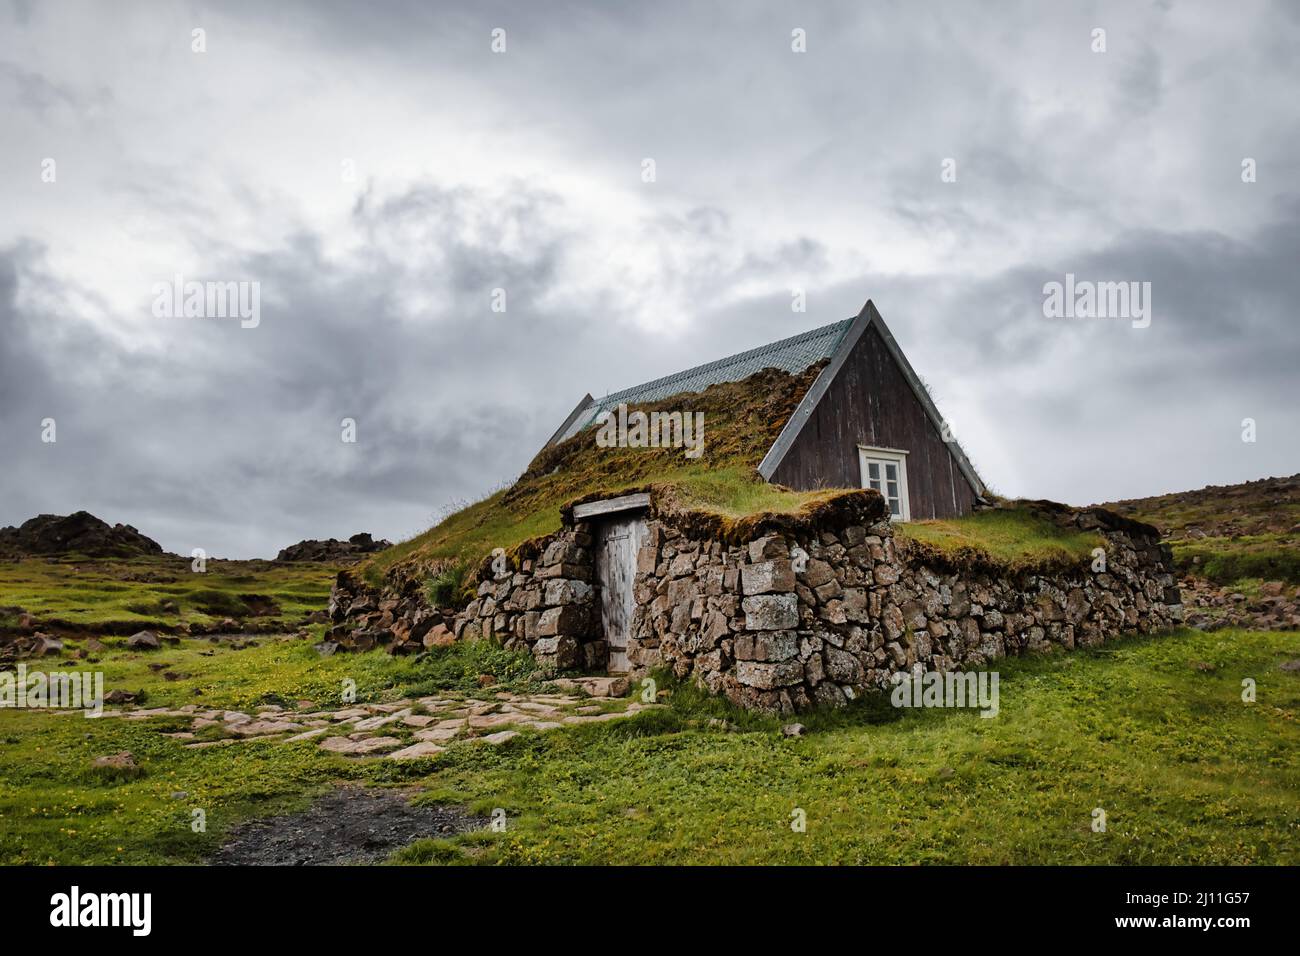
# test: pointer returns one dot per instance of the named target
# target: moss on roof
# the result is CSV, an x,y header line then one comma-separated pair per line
x,y
720,494
741,421
1017,537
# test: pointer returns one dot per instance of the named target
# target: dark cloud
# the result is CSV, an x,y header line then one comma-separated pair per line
x,y
775,171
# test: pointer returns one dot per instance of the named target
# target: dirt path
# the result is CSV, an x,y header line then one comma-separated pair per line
x,y
347,825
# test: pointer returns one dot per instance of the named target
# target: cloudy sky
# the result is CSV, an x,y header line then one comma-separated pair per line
x,y
378,169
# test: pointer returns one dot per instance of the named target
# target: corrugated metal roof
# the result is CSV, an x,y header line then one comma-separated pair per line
x,y
790,355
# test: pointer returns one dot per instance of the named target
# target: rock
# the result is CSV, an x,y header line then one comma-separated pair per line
x,y
766,577
767,646
568,620
437,734
613,686
560,653
818,573
565,591
422,749
769,676
306,735
81,532
263,728
439,636
118,761
771,612
366,745
500,737
772,546
793,730
144,641
45,645
119,697
842,667
333,550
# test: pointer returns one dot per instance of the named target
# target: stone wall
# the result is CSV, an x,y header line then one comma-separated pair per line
x,y
783,613
542,601
817,615
548,606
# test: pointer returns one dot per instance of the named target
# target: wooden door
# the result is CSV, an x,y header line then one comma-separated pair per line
x,y
617,542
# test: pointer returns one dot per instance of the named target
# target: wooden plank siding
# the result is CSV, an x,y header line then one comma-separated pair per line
x,y
870,403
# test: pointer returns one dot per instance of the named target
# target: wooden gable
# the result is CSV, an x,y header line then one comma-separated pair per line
x,y
869,396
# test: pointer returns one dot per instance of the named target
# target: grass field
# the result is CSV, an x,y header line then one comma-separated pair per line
x,y
1151,730
107,594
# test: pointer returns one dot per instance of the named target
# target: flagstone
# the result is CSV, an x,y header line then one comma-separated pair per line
x,y
390,708
437,734
421,749
345,745
372,723
306,735
261,728
493,720
352,713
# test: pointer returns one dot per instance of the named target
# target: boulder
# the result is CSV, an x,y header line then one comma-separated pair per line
x,y
144,641
118,761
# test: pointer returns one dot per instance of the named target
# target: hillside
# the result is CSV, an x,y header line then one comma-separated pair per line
x,y
1229,533
1237,547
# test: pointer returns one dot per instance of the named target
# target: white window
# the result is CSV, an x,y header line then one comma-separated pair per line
x,y
885,470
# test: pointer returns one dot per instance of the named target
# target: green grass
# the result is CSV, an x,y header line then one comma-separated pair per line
x,y
1229,561
1152,730
1010,537
1233,534
163,592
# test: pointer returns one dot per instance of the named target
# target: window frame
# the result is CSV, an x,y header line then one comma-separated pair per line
x,y
883,456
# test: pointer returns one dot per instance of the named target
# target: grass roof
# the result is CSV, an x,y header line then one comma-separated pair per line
x,y
718,493
741,421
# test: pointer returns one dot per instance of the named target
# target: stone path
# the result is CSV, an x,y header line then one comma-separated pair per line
x,y
403,729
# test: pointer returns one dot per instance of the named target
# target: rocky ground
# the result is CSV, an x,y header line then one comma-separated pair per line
x,y
1266,506
1250,521
1274,606
346,826
404,729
